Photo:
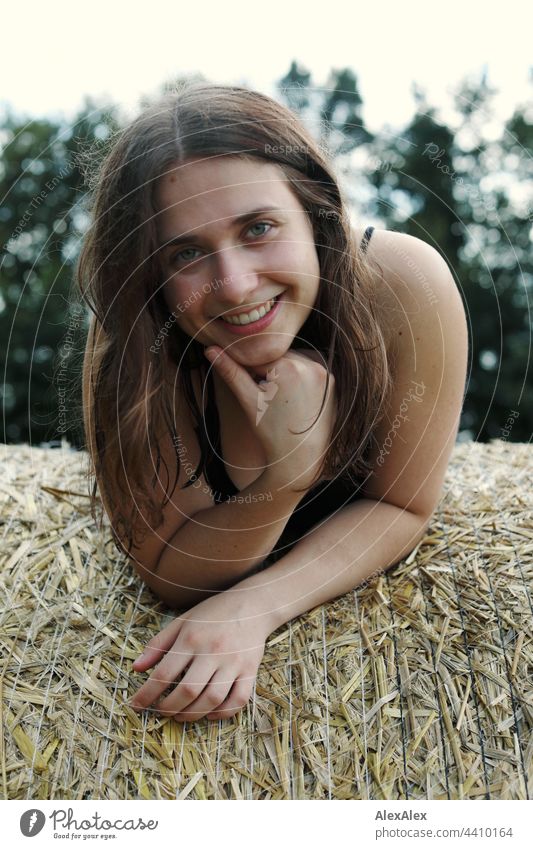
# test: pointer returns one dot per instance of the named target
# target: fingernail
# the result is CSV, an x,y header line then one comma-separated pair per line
x,y
211,353
143,656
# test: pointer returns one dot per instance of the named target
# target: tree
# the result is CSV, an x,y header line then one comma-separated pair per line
x,y
42,327
437,183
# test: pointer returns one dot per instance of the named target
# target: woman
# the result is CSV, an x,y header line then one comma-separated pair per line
x,y
255,464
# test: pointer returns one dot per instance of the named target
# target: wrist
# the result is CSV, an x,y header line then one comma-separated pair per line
x,y
258,602
284,485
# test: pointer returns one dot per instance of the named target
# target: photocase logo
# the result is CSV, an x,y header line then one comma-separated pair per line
x,y
268,391
32,822
64,824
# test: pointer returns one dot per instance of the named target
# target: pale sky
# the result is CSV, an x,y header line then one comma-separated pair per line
x,y
55,52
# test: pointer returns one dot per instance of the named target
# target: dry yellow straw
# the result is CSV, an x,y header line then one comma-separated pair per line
x,y
416,686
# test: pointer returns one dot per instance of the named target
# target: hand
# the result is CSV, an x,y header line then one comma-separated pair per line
x,y
289,401
220,643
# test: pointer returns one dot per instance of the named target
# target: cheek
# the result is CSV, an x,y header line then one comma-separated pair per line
x,y
186,300
180,296
299,258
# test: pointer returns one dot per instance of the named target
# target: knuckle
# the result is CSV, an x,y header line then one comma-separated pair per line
x,y
191,641
226,366
160,674
190,690
215,696
217,645
240,695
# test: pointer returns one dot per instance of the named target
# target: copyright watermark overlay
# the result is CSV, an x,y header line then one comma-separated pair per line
x,y
506,429
182,307
65,352
413,266
328,214
268,392
197,483
435,154
35,203
285,149
399,418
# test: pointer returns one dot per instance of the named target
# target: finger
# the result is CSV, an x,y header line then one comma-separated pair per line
x,y
189,688
211,697
164,674
236,376
236,700
158,645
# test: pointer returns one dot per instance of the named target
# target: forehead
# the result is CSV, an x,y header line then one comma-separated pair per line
x,y
196,191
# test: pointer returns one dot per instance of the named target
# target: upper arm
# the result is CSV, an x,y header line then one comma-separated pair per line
x,y
182,503
428,341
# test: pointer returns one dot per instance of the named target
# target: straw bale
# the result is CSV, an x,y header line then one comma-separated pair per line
x,y
417,685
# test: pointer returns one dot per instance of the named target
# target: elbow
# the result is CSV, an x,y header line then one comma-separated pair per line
x,y
184,582
170,593
422,522
182,598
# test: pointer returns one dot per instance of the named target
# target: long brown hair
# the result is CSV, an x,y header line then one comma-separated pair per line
x,y
119,274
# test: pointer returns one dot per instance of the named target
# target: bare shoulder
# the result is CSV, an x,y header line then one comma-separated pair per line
x,y
408,263
428,335
411,279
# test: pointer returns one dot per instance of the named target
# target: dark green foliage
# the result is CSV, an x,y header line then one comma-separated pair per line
x,y
42,323
464,195
472,200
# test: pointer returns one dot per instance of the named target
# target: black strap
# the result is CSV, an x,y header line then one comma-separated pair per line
x,y
215,470
366,238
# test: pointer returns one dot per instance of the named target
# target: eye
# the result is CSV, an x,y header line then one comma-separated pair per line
x,y
178,257
260,224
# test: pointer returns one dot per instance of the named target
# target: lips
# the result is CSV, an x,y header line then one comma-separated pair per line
x,y
236,313
254,326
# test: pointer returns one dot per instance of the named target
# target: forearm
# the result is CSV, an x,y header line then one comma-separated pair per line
x,y
220,545
362,540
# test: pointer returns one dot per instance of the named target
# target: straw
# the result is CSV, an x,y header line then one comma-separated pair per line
x,y
418,685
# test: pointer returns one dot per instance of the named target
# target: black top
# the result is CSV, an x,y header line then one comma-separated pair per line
x,y
321,501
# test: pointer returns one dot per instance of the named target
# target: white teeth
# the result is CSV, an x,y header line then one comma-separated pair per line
x,y
247,318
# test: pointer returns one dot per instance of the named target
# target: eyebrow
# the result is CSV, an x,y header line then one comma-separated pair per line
x,y
245,216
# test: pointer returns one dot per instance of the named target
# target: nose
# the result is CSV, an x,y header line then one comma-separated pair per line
x,y
236,281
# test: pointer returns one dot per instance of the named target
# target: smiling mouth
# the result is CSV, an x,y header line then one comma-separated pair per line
x,y
257,312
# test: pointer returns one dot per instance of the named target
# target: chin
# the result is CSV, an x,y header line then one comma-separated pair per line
x,y
264,353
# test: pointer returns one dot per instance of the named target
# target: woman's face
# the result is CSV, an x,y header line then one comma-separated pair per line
x,y
226,266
